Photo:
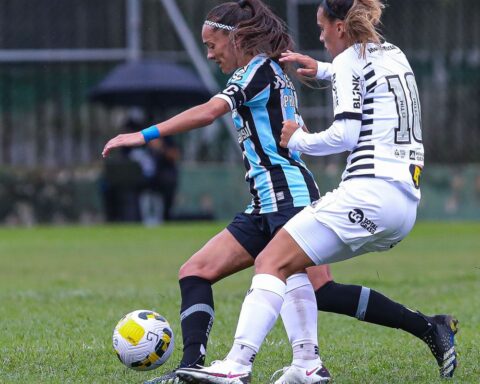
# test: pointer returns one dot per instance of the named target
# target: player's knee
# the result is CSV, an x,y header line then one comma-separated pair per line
x,y
199,268
268,265
319,276
186,270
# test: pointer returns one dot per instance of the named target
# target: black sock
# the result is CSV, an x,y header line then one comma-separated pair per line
x,y
196,317
368,305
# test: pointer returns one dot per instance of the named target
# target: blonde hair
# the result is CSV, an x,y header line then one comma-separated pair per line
x,y
362,20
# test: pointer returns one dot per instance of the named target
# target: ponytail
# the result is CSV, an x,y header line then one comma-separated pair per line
x,y
361,18
254,28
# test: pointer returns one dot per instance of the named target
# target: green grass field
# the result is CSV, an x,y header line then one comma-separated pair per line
x,y
62,290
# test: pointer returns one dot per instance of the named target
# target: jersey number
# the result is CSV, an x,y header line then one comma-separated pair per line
x,y
408,121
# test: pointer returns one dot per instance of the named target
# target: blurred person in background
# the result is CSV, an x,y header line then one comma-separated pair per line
x,y
123,179
167,155
158,161
246,38
141,183
378,119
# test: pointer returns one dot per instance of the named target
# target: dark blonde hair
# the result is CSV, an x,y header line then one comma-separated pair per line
x,y
361,17
256,28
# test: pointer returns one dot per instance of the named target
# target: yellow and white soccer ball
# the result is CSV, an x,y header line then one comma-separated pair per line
x,y
143,340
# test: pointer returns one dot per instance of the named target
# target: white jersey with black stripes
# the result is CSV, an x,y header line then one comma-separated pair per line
x,y
380,91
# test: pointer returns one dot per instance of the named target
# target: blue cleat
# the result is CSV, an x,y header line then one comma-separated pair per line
x,y
441,340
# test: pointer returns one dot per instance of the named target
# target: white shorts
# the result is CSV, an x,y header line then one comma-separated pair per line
x,y
361,215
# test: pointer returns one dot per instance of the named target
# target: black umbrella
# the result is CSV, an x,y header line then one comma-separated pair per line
x,y
150,84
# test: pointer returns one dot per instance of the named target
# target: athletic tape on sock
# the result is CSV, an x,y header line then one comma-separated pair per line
x,y
363,303
269,283
197,308
296,281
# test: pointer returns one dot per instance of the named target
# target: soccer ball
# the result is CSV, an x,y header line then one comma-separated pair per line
x,y
143,340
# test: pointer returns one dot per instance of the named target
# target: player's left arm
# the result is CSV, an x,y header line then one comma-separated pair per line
x,y
341,136
344,133
196,117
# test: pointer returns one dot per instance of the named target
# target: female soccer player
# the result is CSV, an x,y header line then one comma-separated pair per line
x,y
246,38
377,119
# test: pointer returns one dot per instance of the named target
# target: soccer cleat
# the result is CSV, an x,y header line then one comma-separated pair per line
x,y
297,375
220,372
168,378
171,377
441,340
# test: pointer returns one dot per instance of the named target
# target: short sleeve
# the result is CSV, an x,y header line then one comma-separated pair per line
x,y
347,87
248,86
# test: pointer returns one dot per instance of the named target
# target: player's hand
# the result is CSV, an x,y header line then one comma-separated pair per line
x,y
289,128
309,65
125,140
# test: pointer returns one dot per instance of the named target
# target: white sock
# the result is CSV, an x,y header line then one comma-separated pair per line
x,y
260,310
299,315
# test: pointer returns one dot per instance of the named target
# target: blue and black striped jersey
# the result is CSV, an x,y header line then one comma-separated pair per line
x,y
261,97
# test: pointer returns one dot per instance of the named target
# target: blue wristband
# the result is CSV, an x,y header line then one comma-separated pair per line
x,y
150,133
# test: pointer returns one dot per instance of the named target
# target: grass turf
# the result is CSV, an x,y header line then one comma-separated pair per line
x,y
62,290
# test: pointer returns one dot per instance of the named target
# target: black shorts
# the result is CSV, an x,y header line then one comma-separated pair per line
x,y
254,231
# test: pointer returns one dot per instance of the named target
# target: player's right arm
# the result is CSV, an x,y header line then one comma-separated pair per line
x,y
196,117
309,66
